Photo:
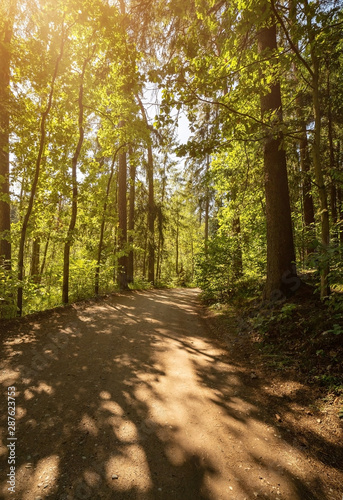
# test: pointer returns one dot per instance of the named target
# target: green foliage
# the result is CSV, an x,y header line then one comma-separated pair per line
x,y
287,311
8,289
213,269
208,66
140,283
336,330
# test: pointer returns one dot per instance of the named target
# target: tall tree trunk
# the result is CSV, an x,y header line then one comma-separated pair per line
x,y
5,71
102,227
44,255
160,241
192,256
207,202
177,246
151,203
333,189
72,223
305,160
122,222
160,223
237,259
151,217
307,199
35,182
314,72
35,258
325,229
280,245
340,211
144,254
238,255
340,197
305,167
131,223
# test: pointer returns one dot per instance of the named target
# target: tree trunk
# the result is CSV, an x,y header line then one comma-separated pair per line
x,y
72,223
280,245
151,203
238,255
340,208
35,183
160,224
305,169
131,224
325,228
177,247
305,166
44,255
144,254
151,217
160,241
333,189
307,199
207,203
35,258
340,197
318,172
305,161
5,71
102,227
122,222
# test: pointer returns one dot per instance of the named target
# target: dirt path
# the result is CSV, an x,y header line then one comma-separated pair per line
x,y
131,397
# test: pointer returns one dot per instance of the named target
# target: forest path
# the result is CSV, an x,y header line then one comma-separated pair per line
x,y
132,397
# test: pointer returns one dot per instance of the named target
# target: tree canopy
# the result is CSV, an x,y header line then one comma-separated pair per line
x,y
98,192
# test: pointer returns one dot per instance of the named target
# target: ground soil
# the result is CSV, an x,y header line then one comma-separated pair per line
x,y
145,395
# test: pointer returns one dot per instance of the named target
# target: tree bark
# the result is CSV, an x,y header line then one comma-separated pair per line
x,y
238,254
340,211
5,71
340,197
151,217
131,224
207,203
333,189
177,246
44,255
160,223
280,245
35,259
122,222
325,229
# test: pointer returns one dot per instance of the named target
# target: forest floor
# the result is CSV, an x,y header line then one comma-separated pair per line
x,y
149,395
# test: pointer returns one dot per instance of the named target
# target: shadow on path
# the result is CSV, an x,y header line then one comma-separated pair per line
x,y
129,398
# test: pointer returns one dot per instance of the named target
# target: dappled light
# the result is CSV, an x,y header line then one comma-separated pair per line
x,y
147,406
171,248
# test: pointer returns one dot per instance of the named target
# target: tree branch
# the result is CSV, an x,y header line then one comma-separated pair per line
x,y
290,41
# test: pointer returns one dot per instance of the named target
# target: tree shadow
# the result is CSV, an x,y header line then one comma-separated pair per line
x,y
128,398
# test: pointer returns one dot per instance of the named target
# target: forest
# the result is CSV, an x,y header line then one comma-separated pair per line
x,y
171,245
102,191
